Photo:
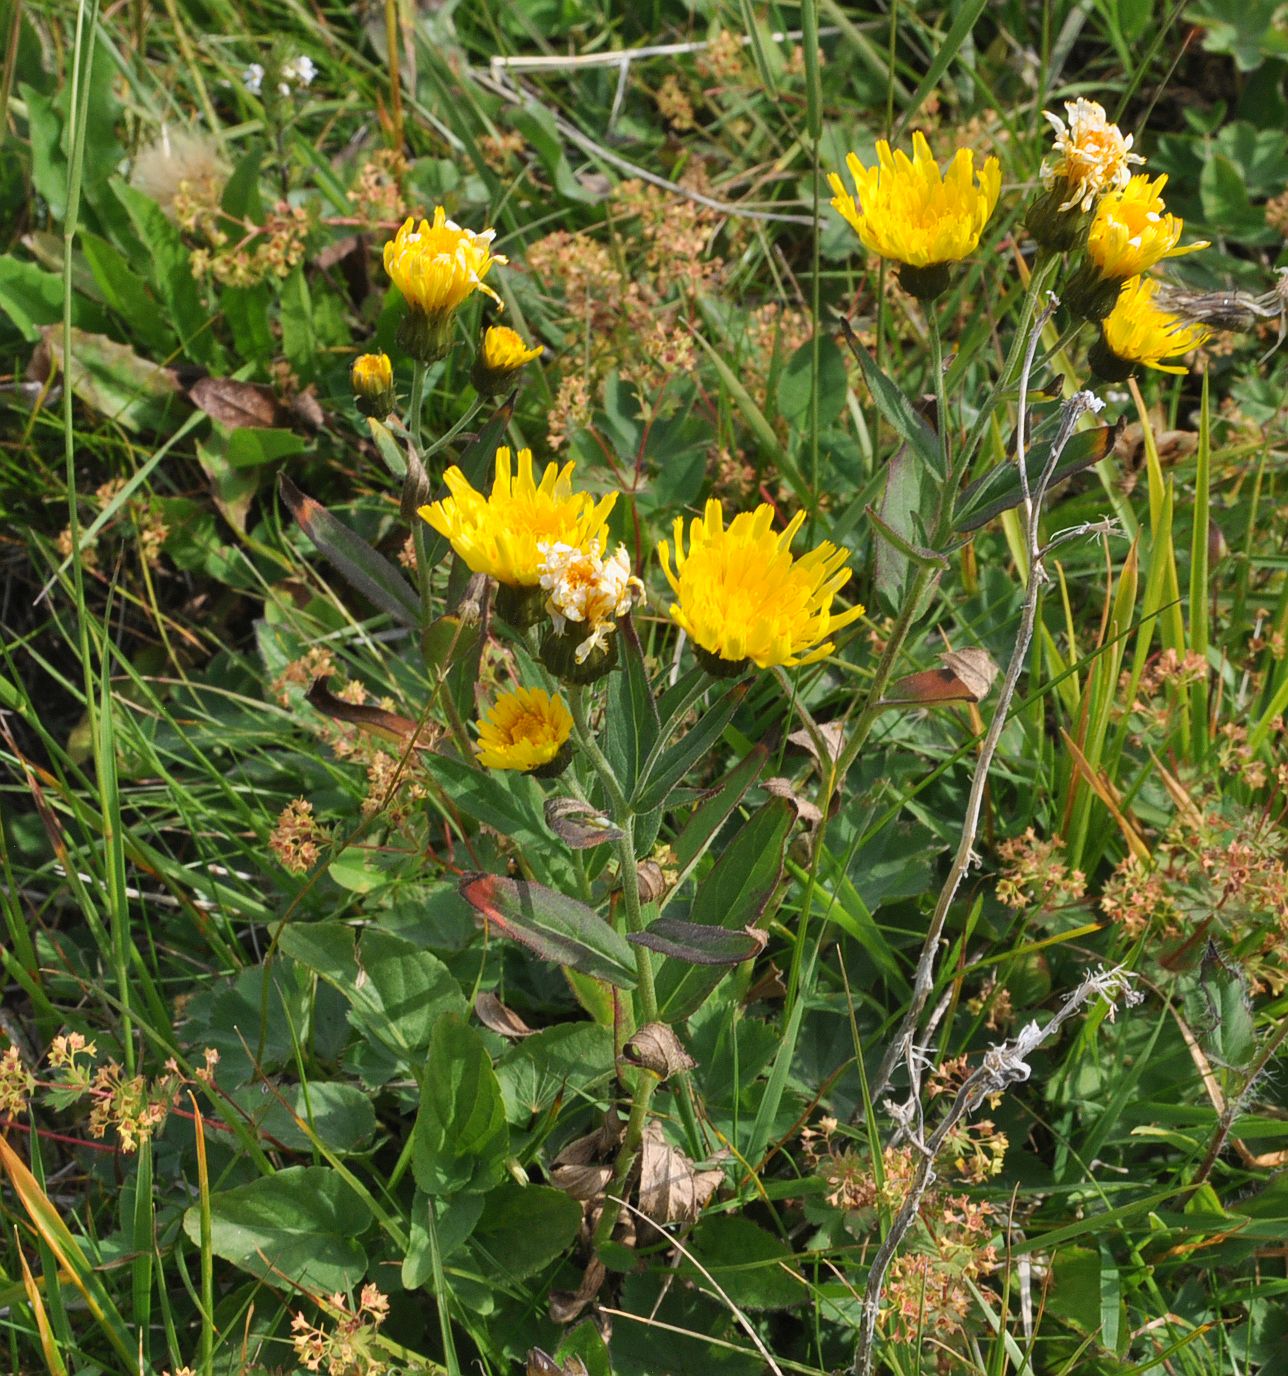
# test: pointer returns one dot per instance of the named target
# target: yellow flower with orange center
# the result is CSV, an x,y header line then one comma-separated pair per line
x,y
909,212
502,534
525,730
740,595
1138,332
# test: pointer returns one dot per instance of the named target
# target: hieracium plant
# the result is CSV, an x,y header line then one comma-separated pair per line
x,y
559,675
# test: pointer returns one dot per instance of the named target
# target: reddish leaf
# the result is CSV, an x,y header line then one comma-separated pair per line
x,y
551,925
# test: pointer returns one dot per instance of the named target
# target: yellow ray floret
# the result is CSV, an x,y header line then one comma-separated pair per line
x,y
1139,332
525,729
503,350
436,266
740,595
501,534
907,212
1132,231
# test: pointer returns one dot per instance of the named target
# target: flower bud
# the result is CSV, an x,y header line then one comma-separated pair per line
x,y
500,357
372,376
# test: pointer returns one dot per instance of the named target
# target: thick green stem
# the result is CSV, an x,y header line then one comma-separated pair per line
x,y
923,579
598,760
941,396
646,995
645,991
415,408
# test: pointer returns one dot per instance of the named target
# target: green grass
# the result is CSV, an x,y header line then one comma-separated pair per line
x,y
368,1119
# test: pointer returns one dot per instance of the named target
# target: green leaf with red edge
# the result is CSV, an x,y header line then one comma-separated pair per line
x,y
363,568
552,926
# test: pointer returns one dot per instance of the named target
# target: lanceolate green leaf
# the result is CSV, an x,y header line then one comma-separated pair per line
x,y
999,489
902,416
551,925
698,943
670,769
631,726
363,568
733,895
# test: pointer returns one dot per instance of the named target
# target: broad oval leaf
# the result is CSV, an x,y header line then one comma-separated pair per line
x,y
551,925
301,1224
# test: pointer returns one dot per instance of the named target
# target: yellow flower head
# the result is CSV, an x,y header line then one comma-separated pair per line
x,y
1093,155
740,594
500,356
436,266
504,351
501,535
906,211
525,730
372,375
1138,332
1131,230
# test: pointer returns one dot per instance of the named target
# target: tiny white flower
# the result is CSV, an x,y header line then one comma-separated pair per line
x,y
300,71
253,78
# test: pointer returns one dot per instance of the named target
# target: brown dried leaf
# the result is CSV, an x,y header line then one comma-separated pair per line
x,y
597,1145
387,725
833,734
306,408
585,1183
967,676
651,879
238,405
493,1014
769,986
975,667
671,1188
657,1048
1172,445
567,1305
805,810
579,825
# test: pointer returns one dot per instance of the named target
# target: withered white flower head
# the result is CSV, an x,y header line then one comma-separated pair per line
x,y
1093,155
588,589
